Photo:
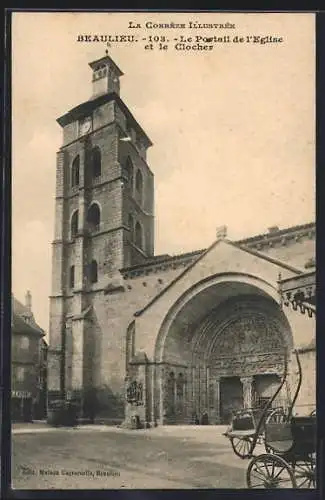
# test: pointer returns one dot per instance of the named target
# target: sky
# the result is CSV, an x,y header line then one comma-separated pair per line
x,y
233,128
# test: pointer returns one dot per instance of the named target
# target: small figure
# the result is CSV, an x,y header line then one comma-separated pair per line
x,y
205,418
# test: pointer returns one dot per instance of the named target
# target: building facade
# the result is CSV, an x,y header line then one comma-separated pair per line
x,y
164,337
27,345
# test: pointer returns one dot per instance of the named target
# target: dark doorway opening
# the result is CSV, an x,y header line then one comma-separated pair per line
x,y
263,389
231,397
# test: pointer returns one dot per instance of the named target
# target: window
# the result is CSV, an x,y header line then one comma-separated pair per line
x,y
93,218
96,162
128,172
138,235
75,171
93,272
139,186
131,226
74,224
24,343
71,277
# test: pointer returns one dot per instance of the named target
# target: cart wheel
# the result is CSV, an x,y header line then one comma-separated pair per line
x,y
313,413
305,472
277,416
241,446
271,472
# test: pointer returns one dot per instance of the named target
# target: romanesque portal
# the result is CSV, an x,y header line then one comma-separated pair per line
x,y
232,358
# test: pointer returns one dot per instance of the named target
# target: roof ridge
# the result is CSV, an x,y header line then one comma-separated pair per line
x,y
178,277
279,232
175,257
195,261
267,257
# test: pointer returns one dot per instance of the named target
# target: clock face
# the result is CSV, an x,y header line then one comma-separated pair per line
x,y
85,126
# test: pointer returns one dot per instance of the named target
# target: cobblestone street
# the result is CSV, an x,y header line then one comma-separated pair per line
x,y
100,457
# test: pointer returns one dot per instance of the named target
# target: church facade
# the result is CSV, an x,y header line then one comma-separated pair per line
x,y
166,338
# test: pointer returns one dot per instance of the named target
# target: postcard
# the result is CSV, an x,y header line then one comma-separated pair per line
x,y
163,250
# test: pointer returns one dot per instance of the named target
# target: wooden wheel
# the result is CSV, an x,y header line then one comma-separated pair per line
x,y
242,446
277,416
305,472
270,472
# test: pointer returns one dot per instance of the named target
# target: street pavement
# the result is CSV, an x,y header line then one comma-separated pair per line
x,y
102,457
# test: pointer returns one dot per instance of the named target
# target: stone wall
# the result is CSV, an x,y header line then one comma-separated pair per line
x,y
306,401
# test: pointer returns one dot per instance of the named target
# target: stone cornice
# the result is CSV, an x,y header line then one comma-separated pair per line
x,y
281,237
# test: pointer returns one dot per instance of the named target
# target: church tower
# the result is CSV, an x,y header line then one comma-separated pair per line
x,y
104,218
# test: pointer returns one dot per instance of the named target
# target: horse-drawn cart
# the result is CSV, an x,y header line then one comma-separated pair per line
x,y
291,462
247,428
291,458
289,441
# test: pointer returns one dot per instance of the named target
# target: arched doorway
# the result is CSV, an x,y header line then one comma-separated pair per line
x,y
229,342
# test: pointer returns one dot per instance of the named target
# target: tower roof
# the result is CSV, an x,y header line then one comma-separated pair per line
x,y
106,60
87,107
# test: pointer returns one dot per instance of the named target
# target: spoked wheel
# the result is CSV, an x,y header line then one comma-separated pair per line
x,y
242,446
270,472
305,472
277,416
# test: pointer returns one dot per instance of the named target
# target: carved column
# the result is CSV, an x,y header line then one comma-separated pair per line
x,y
217,400
247,391
163,399
128,411
153,396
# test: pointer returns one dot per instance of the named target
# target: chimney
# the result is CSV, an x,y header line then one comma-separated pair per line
x,y
28,301
221,232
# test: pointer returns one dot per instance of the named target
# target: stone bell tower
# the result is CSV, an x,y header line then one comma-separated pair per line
x,y
104,220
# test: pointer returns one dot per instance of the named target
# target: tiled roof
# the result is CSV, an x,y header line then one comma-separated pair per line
x,y
19,325
276,234
252,243
19,308
23,319
200,256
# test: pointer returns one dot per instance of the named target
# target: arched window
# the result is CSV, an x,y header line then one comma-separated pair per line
x,y
128,172
93,218
74,224
138,235
96,162
75,171
71,277
139,186
93,272
131,226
